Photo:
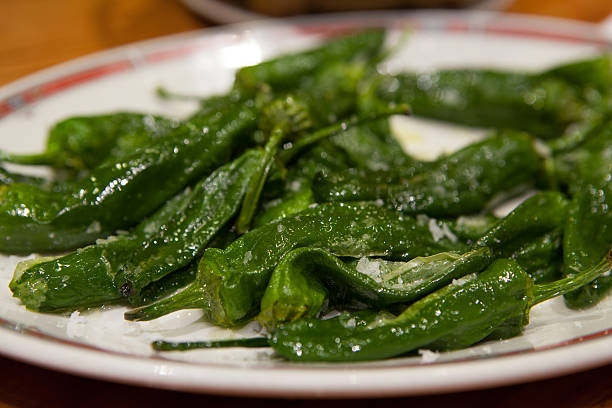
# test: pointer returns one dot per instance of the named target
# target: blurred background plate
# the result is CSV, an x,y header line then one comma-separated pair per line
x,y
233,11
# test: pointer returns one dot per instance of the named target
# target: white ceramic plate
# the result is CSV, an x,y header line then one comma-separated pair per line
x,y
101,344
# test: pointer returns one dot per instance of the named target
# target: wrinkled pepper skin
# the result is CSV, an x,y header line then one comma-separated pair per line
x,y
209,207
537,215
588,74
287,70
462,183
543,107
464,312
294,290
589,164
231,282
585,173
372,148
587,236
541,257
84,142
123,265
165,286
118,195
480,306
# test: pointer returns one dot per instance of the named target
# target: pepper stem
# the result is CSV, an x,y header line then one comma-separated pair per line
x,y
572,282
161,345
165,93
256,184
192,297
29,159
308,140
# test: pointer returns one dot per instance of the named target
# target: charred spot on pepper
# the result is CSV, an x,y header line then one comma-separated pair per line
x,y
126,290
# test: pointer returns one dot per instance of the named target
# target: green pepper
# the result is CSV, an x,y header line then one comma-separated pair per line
x,y
589,164
542,106
291,203
372,148
537,215
590,74
291,120
84,142
587,235
288,70
456,316
123,265
231,282
280,118
118,195
331,92
295,286
165,286
541,257
462,183
305,277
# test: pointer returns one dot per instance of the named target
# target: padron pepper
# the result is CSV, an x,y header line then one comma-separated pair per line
x,y
541,105
122,265
307,277
586,236
462,183
84,142
287,71
494,304
456,316
231,282
118,194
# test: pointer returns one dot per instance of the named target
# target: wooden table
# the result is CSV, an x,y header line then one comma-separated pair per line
x,y
38,33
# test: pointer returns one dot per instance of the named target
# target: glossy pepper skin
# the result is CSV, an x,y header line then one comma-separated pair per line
x,y
121,266
295,287
462,183
585,173
542,106
372,148
231,282
541,257
294,120
326,96
587,236
118,194
537,215
455,316
210,206
84,142
287,70
588,164
589,74
306,277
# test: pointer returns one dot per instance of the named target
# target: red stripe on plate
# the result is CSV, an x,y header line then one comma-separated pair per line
x,y
172,53
457,26
557,36
330,30
5,109
79,77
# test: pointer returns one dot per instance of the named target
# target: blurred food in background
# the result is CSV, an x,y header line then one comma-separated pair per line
x,y
290,7
232,11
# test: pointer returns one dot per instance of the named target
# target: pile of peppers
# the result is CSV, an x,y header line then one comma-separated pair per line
x,y
289,201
